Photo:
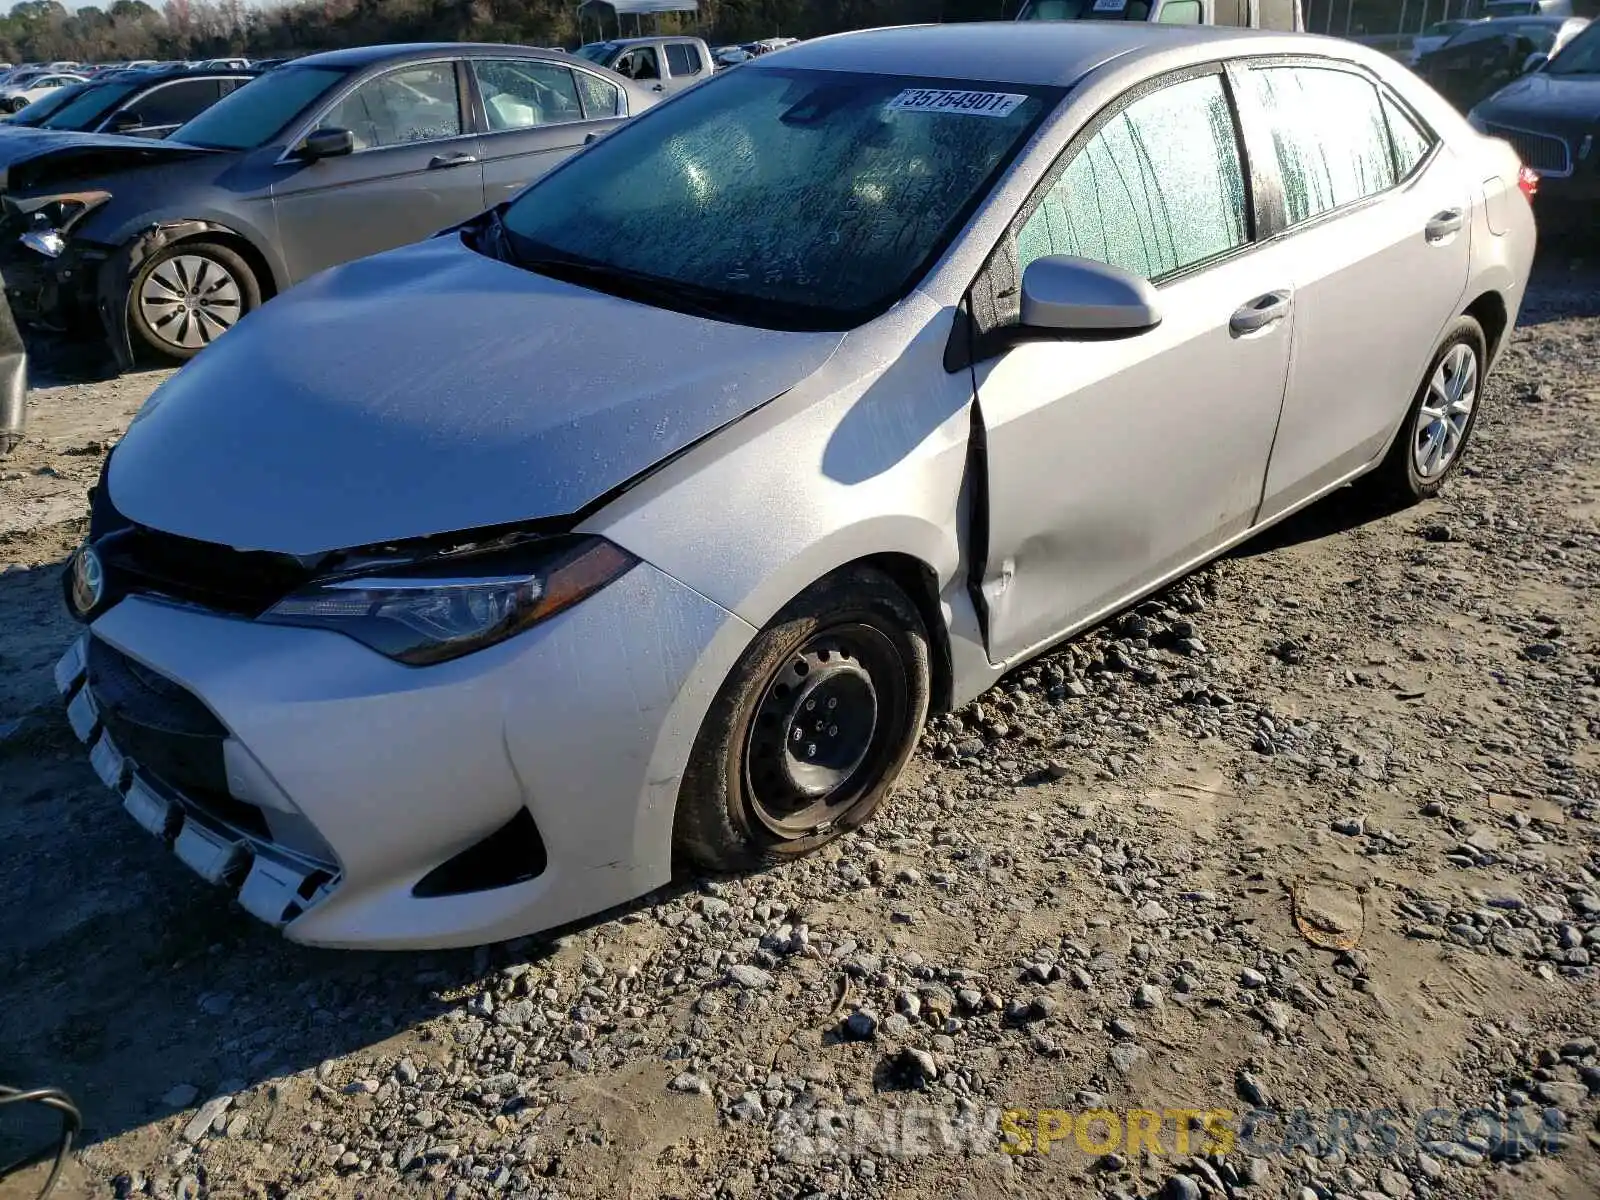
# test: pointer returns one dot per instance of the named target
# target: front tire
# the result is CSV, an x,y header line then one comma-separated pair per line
x,y
1433,437
188,294
810,729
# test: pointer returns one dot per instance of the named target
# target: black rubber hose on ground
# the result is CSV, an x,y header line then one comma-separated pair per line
x,y
71,1125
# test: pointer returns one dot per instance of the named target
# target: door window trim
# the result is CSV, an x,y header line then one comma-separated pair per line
x,y
463,110
968,339
1257,124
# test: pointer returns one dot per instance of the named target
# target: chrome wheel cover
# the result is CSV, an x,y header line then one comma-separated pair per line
x,y
190,300
1446,411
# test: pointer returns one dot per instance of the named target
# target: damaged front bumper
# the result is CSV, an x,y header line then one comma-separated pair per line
x,y
356,802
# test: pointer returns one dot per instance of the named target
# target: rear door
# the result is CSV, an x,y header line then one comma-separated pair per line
x,y
1379,225
534,114
416,169
684,65
1112,464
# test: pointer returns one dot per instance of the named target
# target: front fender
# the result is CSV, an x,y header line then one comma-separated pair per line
x,y
117,272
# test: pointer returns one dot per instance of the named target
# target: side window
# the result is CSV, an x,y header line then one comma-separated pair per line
x,y
1179,12
683,59
412,104
229,86
1158,188
1411,141
601,97
522,94
1329,136
640,63
1233,12
1277,14
176,103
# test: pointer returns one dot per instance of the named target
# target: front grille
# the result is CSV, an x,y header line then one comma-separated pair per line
x,y
1544,152
165,729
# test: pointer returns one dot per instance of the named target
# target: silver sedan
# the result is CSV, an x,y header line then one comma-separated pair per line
x,y
465,588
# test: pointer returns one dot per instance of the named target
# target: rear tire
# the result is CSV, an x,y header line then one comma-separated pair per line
x,y
1433,438
188,294
810,729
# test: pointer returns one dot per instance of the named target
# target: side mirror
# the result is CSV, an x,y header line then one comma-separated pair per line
x,y
1534,61
1078,295
327,143
125,120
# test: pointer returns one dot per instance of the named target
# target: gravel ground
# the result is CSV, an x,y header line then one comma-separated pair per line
x,y
1121,879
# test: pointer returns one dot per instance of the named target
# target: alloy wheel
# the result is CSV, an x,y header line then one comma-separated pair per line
x,y
188,301
1445,413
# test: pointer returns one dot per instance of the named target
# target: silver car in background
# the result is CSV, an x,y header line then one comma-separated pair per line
x,y
465,587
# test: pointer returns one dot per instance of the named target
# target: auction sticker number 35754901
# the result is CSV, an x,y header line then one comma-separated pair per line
x,y
973,104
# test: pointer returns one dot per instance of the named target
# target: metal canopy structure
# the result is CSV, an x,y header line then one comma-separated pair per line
x,y
638,9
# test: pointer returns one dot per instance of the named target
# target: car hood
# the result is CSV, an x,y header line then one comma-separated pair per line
x,y
32,157
433,390
1540,101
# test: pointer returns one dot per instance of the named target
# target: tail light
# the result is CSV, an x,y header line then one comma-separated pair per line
x,y
1527,181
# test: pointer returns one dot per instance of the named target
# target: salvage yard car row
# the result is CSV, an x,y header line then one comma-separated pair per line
x,y
645,516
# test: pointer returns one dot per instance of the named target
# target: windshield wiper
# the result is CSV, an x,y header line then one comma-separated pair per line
x,y
632,285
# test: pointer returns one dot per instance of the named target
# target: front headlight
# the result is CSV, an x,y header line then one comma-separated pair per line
x,y
50,218
454,606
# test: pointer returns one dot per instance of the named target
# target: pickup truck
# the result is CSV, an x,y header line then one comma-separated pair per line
x,y
658,64
1282,15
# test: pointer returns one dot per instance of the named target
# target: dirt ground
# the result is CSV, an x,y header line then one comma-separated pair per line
x,y
1119,881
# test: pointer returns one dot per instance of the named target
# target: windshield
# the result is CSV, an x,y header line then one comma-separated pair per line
x,y
1580,56
250,116
51,102
88,105
597,51
783,198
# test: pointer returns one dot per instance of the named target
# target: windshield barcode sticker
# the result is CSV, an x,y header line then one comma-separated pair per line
x,y
974,104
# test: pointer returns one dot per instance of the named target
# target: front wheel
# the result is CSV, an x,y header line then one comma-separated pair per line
x,y
187,295
1433,437
810,729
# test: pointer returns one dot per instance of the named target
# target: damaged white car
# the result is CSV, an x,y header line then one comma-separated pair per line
x,y
463,588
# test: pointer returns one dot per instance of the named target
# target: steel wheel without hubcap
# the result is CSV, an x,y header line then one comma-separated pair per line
x,y
1445,413
189,301
825,729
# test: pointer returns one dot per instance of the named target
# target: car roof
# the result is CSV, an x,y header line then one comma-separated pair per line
x,y
132,74
365,56
1055,53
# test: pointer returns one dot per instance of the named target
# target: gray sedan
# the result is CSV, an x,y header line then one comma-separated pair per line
x,y
167,245
467,586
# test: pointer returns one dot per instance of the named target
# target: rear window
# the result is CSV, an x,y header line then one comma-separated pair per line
x,y
252,115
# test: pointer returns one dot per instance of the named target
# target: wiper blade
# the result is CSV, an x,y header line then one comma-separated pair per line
x,y
490,237
631,285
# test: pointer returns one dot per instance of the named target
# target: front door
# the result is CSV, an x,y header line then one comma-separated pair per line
x,y
1111,465
1379,226
416,169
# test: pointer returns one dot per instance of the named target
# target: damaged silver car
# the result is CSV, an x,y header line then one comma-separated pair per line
x,y
646,518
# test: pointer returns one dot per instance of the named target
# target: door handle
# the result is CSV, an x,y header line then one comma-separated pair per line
x,y
660,87
1259,313
1443,225
440,161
